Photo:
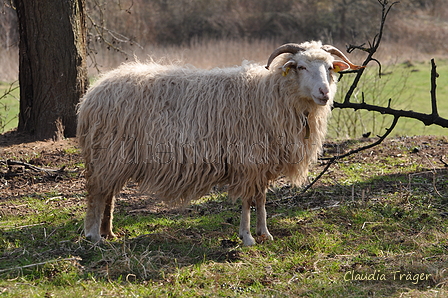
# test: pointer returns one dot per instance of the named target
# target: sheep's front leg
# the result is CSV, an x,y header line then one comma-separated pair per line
x,y
245,224
96,205
262,229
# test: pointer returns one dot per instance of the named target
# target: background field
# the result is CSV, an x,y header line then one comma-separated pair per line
x,y
9,106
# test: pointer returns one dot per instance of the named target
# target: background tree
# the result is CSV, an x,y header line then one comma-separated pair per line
x,y
52,67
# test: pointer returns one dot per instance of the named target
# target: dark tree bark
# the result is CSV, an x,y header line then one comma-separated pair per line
x,y
52,67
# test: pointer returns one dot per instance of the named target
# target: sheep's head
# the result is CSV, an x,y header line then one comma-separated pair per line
x,y
314,66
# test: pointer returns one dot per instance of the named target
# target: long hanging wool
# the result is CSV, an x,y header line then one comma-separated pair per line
x,y
192,131
178,130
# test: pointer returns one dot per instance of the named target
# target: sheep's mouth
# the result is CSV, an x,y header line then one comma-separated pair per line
x,y
322,101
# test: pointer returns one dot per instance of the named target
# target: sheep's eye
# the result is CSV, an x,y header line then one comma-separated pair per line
x,y
301,67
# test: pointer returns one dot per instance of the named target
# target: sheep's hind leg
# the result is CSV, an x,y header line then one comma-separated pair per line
x,y
106,221
262,229
245,224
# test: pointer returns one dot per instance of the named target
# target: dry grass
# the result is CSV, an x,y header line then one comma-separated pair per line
x,y
202,54
212,53
9,65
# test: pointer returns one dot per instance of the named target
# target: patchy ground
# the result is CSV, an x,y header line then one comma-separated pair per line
x,y
381,213
427,154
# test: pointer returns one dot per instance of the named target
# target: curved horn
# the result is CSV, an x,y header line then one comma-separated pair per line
x,y
292,48
335,51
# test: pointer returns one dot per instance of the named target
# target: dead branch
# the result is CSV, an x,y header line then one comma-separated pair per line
x,y
112,40
372,49
50,172
333,159
434,76
445,164
8,92
427,119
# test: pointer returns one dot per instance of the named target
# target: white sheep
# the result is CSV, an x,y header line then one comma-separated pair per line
x,y
178,130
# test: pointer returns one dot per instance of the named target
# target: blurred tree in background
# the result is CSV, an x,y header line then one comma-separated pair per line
x,y
179,22
333,21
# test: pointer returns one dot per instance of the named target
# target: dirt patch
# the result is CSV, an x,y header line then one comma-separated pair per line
x,y
428,153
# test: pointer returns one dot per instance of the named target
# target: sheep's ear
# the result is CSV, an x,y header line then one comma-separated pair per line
x,y
287,66
340,66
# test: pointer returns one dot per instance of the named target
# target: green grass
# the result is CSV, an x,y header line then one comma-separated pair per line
x,y
9,106
408,86
386,223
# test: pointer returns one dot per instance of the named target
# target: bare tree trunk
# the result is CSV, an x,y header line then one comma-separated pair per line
x,y
52,67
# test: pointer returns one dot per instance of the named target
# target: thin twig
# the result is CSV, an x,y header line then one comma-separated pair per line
x,y
20,227
444,163
333,159
372,50
10,89
7,92
434,76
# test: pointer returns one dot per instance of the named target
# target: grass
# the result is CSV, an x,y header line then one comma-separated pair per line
x,y
9,106
408,85
381,232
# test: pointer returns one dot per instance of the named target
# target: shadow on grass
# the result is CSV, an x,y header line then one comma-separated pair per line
x,y
388,232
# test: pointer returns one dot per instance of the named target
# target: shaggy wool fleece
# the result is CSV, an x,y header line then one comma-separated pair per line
x,y
179,130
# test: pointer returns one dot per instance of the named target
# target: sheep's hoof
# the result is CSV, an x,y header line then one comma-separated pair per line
x,y
264,237
248,240
94,239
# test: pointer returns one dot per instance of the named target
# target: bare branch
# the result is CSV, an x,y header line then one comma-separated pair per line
x,y
371,50
427,119
445,164
333,159
29,166
434,76
98,32
8,92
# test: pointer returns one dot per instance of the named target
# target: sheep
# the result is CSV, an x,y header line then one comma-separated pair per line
x,y
178,131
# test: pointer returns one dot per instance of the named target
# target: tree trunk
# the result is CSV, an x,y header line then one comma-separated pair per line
x,y
52,66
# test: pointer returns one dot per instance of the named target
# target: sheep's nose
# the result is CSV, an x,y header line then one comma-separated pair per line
x,y
324,93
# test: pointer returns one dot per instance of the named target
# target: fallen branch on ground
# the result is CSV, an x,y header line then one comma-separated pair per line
x,y
31,167
52,173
